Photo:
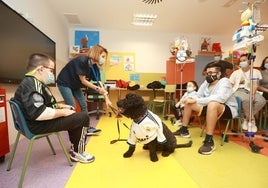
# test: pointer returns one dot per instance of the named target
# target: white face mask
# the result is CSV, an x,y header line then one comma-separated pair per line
x,y
266,65
50,79
101,61
217,58
190,89
243,64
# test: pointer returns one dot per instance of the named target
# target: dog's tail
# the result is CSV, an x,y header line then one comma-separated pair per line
x,y
186,145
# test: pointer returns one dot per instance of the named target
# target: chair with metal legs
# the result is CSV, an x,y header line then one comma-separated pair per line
x,y
166,100
22,128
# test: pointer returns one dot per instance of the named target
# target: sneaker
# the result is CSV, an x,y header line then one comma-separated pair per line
x,y
92,131
207,148
82,158
245,124
182,133
252,126
178,123
265,137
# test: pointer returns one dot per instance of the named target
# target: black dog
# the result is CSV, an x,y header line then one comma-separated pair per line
x,y
147,128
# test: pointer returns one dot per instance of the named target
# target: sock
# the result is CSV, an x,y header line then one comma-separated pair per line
x,y
209,138
184,128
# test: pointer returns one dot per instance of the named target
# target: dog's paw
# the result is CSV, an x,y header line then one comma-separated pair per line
x,y
153,158
127,154
165,153
145,147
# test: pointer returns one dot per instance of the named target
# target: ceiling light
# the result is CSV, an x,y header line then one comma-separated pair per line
x,y
143,19
72,18
152,1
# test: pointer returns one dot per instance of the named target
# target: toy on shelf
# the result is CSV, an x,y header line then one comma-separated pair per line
x,y
181,49
204,45
216,47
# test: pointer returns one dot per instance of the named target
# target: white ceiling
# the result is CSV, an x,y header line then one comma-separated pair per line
x,y
206,17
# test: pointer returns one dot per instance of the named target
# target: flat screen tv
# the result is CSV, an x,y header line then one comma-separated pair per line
x,y
18,39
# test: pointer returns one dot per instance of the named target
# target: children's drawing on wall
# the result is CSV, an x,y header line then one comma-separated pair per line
x,y
134,77
128,63
115,60
128,66
86,39
128,59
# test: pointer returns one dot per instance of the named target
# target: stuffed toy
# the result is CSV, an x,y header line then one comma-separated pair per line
x,y
246,35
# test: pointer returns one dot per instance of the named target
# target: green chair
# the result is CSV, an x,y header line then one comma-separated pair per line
x,y
22,128
166,100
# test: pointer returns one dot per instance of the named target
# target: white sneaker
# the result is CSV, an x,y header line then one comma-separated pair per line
x,y
245,124
81,157
252,126
178,123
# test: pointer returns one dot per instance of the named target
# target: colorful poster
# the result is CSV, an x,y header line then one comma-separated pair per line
x,y
86,39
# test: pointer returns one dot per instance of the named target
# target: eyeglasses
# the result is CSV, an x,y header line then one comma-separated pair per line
x,y
211,73
51,69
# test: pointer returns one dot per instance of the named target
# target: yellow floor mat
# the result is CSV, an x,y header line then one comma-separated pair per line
x,y
229,166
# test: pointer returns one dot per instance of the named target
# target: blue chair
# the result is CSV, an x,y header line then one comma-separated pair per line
x,y
22,128
231,121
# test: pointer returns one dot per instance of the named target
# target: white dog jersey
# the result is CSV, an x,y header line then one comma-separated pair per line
x,y
146,129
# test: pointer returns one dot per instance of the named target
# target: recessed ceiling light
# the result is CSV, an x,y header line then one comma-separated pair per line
x,y
152,1
72,18
144,19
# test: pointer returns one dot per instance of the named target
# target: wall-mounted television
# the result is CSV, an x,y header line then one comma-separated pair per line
x,y
18,39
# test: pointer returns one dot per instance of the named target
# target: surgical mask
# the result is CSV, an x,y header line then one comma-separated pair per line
x,y
211,78
243,64
266,65
217,58
50,79
190,89
101,61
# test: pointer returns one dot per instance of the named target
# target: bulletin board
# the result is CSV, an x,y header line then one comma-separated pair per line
x,y
120,65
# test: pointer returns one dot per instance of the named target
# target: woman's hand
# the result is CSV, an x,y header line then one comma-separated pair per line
x,y
102,91
108,102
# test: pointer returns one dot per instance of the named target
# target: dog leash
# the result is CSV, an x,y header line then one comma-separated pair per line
x,y
118,116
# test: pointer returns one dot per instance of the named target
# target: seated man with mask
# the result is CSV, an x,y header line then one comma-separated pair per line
x,y
240,80
214,100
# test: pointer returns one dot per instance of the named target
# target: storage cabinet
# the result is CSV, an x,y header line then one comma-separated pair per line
x,y
4,142
184,71
201,61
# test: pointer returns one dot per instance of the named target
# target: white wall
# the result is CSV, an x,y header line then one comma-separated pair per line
x,y
151,48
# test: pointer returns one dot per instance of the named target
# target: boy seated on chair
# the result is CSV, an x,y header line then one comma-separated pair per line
x,y
215,100
43,114
177,109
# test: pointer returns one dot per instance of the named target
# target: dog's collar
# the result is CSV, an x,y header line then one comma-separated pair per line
x,y
139,119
